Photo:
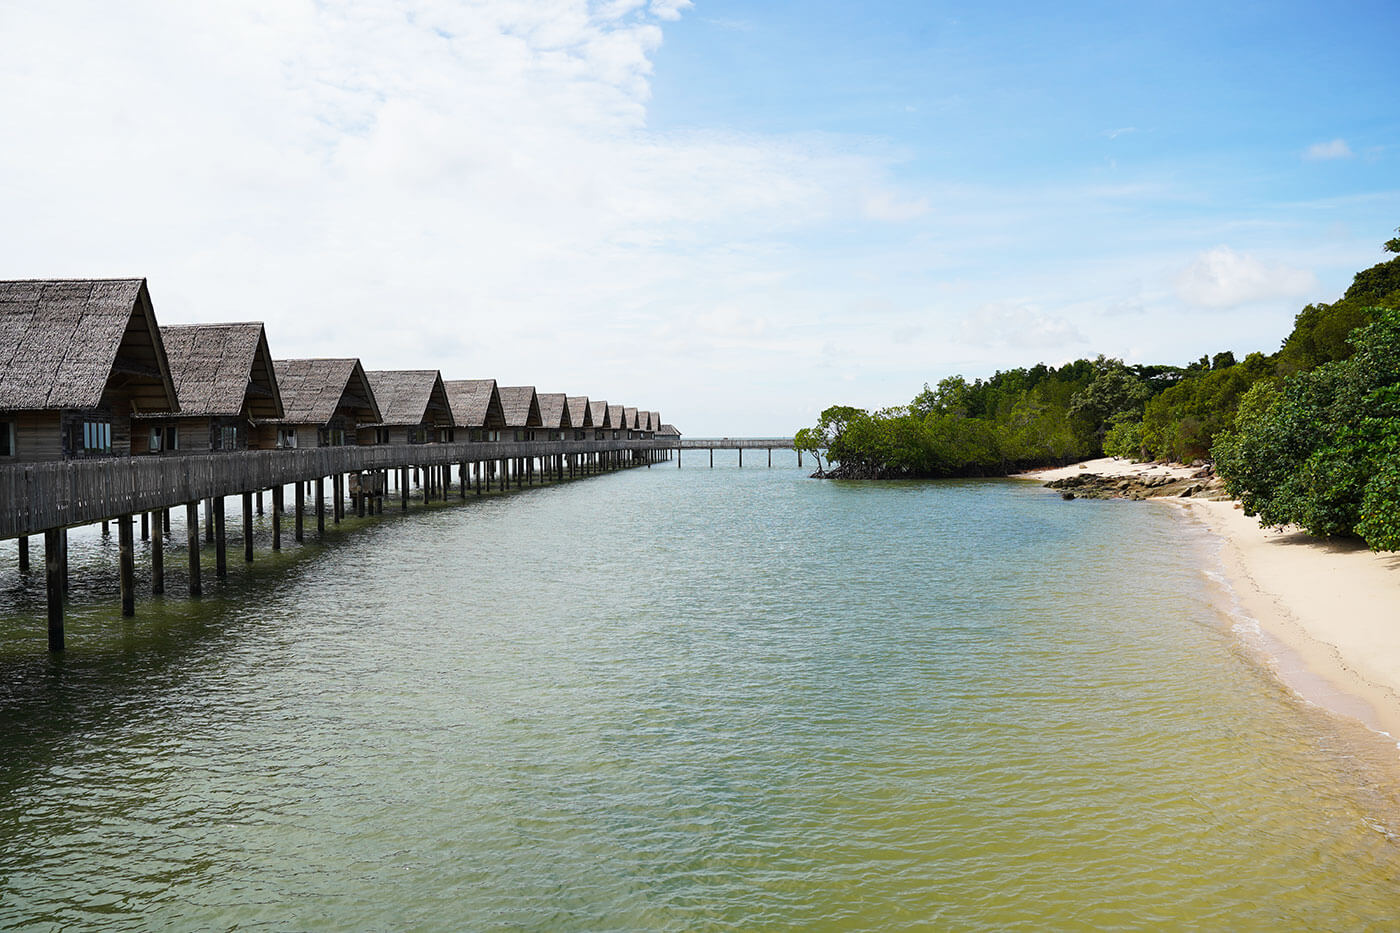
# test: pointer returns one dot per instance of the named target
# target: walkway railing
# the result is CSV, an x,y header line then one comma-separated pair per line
x,y
39,496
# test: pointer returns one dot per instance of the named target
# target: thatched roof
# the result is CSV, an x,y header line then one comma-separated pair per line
x,y
615,416
644,421
554,410
313,390
580,415
64,344
669,430
521,407
476,403
656,422
222,369
410,397
598,411
629,419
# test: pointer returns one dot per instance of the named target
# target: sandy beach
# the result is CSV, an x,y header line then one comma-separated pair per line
x,y
1334,606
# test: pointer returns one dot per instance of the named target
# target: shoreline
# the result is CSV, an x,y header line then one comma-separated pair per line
x,y
1328,612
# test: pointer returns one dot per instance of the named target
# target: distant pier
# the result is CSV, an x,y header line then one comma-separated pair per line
x,y
740,444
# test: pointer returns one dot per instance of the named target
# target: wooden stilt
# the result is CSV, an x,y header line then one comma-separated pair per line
x,y
248,527
145,526
220,540
361,484
53,571
192,537
126,565
277,518
158,561
403,489
300,506
208,521
24,553
260,503
320,505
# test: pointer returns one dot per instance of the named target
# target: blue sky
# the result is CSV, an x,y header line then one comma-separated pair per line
x,y
736,214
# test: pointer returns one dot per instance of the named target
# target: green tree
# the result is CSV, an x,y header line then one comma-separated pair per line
x,y
1321,449
1115,395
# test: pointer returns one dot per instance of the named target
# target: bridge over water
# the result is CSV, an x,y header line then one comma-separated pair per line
x,y
740,444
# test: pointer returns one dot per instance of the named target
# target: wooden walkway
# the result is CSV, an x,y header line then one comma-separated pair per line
x,y
740,444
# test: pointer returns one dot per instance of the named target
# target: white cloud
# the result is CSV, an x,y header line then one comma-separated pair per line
x,y
1017,325
1320,152
1121,131
669,9
1223,278
889,207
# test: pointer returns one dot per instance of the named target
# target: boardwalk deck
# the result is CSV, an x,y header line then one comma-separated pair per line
x,y
40,496
731,443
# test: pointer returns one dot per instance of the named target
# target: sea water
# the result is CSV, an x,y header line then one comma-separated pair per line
x,y
694,699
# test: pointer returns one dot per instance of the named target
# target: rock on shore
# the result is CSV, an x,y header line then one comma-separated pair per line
x,y
1202,483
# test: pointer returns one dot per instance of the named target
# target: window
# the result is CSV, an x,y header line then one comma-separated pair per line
x,y
97,437
331,437
227,438
447,435
381,435
7,438
286,437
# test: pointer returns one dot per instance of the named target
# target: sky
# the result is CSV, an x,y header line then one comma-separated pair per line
x,y
736,214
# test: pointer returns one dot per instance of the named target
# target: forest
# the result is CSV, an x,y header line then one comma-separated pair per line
x,y
1306,435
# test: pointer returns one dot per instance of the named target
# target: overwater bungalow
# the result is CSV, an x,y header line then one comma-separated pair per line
x,y
522,411
224,380
413,408
629,421
81,357
554,415
580,416
476,408
616,416
655,423
323,402
669,432
602,420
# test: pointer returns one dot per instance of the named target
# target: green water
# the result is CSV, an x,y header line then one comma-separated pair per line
x,y
685,700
